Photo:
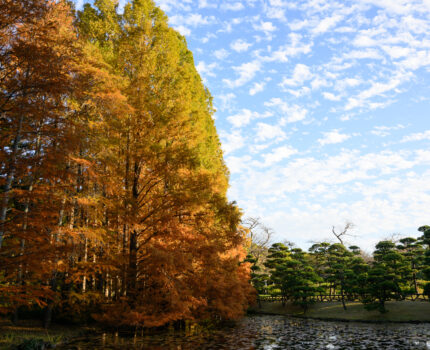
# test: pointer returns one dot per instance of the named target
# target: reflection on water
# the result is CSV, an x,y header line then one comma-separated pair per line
x,y
273,332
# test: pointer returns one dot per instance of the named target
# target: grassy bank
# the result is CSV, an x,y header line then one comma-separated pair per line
x,y
398,311
12,335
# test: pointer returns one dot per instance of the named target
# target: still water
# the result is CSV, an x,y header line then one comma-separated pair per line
x,y
273,332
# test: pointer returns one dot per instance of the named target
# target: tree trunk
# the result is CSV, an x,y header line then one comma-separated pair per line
x,y
9,179
132,268
414,277
48,311
84,281
343,298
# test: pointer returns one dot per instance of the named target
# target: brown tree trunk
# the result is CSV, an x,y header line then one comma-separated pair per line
x,y
132,268
9,179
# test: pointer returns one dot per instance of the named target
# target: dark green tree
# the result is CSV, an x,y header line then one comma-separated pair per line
x,y
425,240
413,252
386,277
279,255
339,261
319,259
293,275
356,275
303,281
258,279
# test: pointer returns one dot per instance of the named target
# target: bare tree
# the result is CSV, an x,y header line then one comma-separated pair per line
x,y
394,237
260,236
344,232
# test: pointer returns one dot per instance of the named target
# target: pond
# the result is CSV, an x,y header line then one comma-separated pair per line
x,y
273,332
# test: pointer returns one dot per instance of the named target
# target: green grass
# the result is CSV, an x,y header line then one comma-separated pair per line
x,y
398,311
11,335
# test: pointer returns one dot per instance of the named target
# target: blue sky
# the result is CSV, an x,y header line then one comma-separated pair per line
x,y
323,109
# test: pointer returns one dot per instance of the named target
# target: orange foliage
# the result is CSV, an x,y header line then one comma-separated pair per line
x,y
114,186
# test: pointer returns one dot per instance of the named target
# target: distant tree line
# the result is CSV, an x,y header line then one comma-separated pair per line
x,y
396,271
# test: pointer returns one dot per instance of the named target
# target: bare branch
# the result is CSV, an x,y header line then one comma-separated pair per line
x,y
340,236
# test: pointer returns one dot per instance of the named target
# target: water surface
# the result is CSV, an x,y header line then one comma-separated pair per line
x,y
273,332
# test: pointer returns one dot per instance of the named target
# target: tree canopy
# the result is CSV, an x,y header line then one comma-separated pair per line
x,y
113,181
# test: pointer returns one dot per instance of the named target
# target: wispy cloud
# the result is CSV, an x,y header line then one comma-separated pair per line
x,y
235,6
256,88
240,45
419,136
246,73
332,137
312,75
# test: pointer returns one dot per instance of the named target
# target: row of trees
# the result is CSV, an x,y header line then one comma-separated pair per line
x,y
395,271
113,184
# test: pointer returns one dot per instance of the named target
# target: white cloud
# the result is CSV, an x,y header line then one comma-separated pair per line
x,y
235,6
226,100
331,97
244,117
356,57
206,69
267,132
363,54
384,131
363,40
332,137
396,51
377,89
275,12
326,24
232,141
277,155
290,113
221,54
295,47
266,27
400,7
368,189
192,20
241,119
246,72
417,136
301,74
416,60
240,45
207,4
169,5
208,36
182,29
319,82
182,22
342,84
238,164
256,88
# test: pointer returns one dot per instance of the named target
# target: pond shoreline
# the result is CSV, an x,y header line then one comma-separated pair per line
x,y
399,312
315,330
334,319
31,331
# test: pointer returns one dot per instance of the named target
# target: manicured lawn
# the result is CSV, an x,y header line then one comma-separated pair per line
x,y
398,311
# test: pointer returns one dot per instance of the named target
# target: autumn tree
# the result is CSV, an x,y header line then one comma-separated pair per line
x,y
38,65
114,188
174,220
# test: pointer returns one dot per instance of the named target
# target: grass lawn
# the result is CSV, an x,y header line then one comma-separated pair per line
x,y
11,335
398,311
